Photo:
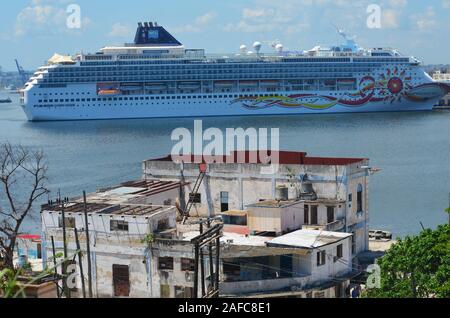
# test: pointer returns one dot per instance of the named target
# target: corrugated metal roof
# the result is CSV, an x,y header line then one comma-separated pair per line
x,y
308,239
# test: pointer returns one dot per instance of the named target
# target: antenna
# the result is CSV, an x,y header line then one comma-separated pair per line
x,y
257,47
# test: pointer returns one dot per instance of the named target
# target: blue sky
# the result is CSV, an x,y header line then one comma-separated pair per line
x,y
33,30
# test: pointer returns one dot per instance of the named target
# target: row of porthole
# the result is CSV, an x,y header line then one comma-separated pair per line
x,y
136,104
190,97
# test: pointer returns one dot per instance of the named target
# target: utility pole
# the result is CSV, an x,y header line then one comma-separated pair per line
x,y
64,264
210,236
80,261
88,245
56,270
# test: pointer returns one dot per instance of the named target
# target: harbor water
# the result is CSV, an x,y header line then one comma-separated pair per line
x,y
412,149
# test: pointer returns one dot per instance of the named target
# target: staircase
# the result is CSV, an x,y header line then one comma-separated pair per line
x,y
193,194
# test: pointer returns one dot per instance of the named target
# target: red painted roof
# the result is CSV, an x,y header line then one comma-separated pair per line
x,y
285,157
29,237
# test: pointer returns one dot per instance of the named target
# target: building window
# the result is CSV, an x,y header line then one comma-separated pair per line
x,y
232,269
121,280
163,224
224,206
339,251
306,214
350,197
319,295
195,198
187,265
321,258
165,263
69,222
184,292
359,198
353,242
330,214
118,226
314,218
164,291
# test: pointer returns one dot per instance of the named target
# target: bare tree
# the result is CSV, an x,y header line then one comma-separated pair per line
x,y
22,183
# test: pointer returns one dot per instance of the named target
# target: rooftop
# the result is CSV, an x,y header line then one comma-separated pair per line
x,y
110,209
285,157
131,190
233,239
274,204
308,239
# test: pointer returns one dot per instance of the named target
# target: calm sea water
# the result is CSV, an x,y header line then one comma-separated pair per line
x,y
412,149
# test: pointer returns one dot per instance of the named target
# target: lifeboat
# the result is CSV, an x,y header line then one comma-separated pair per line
x,y
109,92
346,81
156,86
248,84
269,83
224,84
189,85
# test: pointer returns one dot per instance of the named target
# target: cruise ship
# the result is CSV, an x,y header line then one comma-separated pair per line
x,y
156,76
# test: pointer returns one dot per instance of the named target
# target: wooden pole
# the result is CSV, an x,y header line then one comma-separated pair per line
x,y
196,271
80,261
88,246
211,263
217,264
64,264
54,264
202,265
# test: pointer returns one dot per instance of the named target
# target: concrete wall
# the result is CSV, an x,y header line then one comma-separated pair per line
x,y
138,226
301,265
103,257
171,278
275,219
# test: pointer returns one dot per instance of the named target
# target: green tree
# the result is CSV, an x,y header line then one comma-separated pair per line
x,y
417,266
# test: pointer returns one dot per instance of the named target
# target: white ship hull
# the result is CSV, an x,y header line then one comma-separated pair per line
x,y
206,107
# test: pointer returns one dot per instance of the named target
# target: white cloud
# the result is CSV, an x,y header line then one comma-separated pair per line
x,y
446,4
398,3
389,19
205,19
425,21
44,17
120,30
198,25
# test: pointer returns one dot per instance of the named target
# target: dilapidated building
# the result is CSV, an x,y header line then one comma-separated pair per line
x,y
292,233
121,222
323,193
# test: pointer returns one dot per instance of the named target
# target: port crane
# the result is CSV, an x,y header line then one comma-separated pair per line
x,y
22,73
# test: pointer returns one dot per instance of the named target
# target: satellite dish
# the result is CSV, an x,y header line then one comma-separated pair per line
x,y
257,46
279,48
243,48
